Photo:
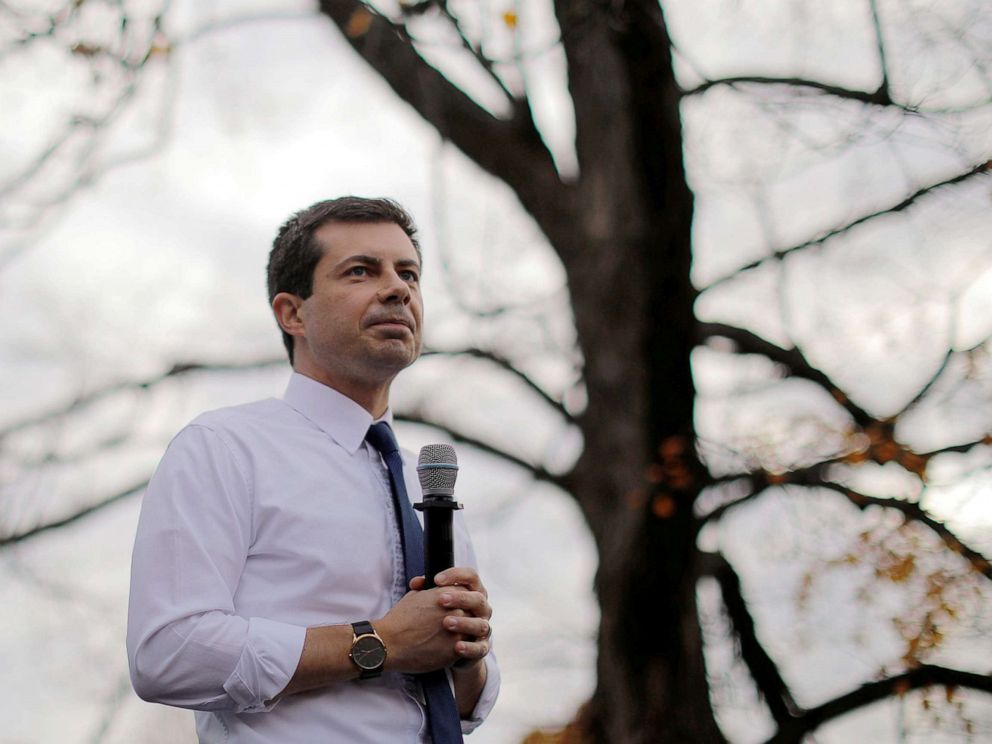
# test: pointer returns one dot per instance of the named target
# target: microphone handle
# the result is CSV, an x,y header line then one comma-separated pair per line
x,y
439,543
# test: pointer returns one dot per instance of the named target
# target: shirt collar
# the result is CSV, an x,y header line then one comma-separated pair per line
x,y
332,412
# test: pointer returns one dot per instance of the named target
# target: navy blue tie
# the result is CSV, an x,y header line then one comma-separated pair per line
x,y
442,714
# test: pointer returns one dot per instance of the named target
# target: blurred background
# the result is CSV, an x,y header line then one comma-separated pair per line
x,y
709,301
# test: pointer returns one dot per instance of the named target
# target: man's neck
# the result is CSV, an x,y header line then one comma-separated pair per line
x,y
373,397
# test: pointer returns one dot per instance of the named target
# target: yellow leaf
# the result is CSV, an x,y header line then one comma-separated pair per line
x,y
359,23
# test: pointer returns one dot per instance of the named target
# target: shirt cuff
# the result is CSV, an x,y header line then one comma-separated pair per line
x,y
487,698
268,661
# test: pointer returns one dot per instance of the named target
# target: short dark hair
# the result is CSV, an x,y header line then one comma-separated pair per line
x,y
295,252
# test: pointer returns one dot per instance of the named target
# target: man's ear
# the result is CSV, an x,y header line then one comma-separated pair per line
x,y
287,309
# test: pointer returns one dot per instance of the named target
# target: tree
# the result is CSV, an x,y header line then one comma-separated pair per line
x,y
622,228
655,473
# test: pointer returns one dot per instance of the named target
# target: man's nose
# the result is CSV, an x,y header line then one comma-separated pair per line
x,y
394,289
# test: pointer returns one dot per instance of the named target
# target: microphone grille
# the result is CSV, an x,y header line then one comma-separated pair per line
x,y
437,468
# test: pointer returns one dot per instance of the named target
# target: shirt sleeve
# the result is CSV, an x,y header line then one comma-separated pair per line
x,y
186,644
487,699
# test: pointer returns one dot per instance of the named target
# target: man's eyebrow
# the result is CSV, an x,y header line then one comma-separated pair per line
x,y
358,258
361,258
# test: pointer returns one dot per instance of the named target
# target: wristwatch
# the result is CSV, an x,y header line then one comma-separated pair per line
x,y
368,652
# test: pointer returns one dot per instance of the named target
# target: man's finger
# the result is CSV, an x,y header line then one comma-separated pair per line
x,y
472,649
474,628
462,576
474,603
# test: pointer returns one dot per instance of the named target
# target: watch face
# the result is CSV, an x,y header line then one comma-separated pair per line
x,y
368,652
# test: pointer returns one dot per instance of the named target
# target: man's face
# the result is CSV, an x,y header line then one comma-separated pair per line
x,y
364,319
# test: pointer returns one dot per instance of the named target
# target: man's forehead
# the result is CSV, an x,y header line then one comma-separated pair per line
x,y
382,240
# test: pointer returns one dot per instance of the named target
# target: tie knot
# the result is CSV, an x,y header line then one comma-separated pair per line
x,y
381,437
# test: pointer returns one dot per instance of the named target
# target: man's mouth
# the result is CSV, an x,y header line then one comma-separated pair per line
x,y
390,322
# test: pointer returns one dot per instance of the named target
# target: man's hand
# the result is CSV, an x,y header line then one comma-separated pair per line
x,y
461,593
466,599
435,628
447,626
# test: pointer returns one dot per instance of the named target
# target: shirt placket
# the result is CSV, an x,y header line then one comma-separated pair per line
x,y
396,545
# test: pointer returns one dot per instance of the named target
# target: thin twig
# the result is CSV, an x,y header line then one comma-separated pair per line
x,y
777,255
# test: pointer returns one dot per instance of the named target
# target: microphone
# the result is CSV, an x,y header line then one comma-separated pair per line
x,y
437,469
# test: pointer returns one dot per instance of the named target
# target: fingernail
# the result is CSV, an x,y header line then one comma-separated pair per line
x,y
446,599
441,578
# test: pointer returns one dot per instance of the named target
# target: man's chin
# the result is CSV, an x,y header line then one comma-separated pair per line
x,y
394,354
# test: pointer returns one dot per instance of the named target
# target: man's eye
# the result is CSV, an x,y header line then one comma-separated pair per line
x,y
409,276
357,271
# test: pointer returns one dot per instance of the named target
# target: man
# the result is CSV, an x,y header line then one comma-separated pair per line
x,y
268,587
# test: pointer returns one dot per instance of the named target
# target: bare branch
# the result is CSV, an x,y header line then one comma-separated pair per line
x,y
415,417
763,669
56,146
911,510
878,98
951,353
815,476
883,89
133,69
182,369
977,170
930,383
923,676
964,447
178,369
756,489
93,447
52,23
793,359
510,149
18,537
508,366
484,62
91,129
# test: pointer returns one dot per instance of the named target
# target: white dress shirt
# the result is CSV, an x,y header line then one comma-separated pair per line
x,y
262,520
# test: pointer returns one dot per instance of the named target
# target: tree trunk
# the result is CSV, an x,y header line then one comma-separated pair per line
x,y
629,281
